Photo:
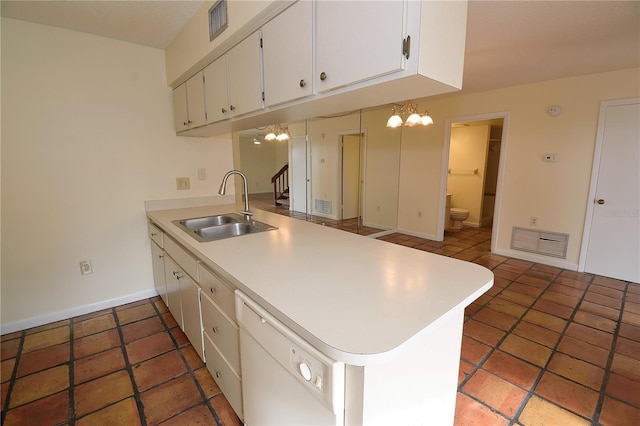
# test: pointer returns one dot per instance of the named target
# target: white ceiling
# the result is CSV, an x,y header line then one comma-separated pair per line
x,y
508,42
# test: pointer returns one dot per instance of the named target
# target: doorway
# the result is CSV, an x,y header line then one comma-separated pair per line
x,y
472,170
352,152
611,240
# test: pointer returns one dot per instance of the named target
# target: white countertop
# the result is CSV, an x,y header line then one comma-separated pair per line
x,y
357,299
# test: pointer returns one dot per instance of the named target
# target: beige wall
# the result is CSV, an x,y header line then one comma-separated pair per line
x,y
555,193
87,137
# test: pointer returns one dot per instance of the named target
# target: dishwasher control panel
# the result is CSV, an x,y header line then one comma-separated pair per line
x,y
307,367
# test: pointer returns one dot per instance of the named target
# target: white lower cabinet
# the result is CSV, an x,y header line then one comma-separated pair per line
x,y
157,262
191,319
172,275
203,305
228,381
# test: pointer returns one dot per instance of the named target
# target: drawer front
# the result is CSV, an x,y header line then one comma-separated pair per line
x,y
224,376
156,234
218,290
222,332
182,257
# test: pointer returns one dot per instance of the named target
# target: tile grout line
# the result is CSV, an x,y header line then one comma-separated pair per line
x,y
207,401
13,379
480,365
72,358
555,350
612,353
129,369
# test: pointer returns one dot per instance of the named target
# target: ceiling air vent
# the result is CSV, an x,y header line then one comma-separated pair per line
x,y
217,19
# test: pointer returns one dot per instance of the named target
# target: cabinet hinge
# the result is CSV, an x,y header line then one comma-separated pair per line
x,y
260,42
406,46
203,79
262,96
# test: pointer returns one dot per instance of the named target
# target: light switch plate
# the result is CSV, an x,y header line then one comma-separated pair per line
x,y
183,183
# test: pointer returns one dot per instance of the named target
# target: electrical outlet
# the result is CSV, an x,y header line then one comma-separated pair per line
x,y
183,183
85,267
533,221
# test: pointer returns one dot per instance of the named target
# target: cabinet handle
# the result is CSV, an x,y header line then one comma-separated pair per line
x,y
600,201
154,234
214,329
303,83
232,108
178,275
189,121
184,123
323,76
224,110
161,256
218,374
213,289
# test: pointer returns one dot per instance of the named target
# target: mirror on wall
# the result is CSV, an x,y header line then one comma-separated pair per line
x,y
341,171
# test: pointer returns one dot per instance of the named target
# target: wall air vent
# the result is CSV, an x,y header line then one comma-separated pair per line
x,y
217,19
540,242
323,206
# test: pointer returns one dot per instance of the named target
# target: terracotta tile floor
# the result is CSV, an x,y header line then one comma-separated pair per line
x,y
545,346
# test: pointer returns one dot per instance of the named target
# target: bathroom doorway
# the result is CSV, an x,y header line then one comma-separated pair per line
x,y
472,160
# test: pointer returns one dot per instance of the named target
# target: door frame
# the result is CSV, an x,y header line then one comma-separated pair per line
x,y
495,228
595,171
361,179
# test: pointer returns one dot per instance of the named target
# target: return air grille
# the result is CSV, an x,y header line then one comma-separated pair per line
x,y
323,206
541,242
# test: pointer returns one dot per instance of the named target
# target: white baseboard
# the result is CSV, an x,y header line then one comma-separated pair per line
x,y
546,260
74,312
419,234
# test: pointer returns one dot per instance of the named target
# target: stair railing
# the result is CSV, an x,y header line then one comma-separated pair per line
x,y
280,183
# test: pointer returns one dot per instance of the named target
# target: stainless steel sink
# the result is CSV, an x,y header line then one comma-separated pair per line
x,y
204,222
212,228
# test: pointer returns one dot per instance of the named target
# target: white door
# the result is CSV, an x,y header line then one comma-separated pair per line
x,y
298,174
613,243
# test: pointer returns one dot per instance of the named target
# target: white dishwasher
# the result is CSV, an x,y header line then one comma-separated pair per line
x,y
285,381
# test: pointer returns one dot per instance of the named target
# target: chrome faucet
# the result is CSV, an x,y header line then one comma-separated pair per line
x,y
223,186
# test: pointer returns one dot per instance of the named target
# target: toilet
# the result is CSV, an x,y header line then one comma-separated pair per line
x,y
457,216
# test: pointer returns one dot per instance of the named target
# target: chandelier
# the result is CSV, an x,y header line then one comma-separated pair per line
x,y
278,133
413,118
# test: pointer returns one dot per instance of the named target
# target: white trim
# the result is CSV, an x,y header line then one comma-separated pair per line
x,y
383,233
74,312
537,259
595,170
505,116
419,234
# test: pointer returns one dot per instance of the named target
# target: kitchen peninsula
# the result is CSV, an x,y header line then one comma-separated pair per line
x,y
393,315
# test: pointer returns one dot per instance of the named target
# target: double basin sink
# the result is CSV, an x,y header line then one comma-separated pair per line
x,y
218,227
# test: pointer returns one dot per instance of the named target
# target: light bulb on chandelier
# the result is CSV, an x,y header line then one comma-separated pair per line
x,y
413,119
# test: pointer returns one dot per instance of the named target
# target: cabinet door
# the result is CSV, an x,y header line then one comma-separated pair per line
x,y
190,297
346,52
245,76
157,260
215,87
180,113
195,101
287,54
172,275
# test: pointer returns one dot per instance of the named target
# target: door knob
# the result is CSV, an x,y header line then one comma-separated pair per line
x,y
600,201
323,76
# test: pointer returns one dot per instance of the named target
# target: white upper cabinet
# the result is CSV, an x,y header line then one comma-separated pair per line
x,y
216,95
195,100
188,104
245,76
357,41
287,54
180,112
